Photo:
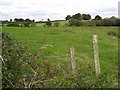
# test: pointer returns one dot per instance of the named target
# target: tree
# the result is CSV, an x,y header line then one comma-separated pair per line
x,y
21,20
86,16
33,20
118,22
77,16
113,20
27,20
10,20
106,22
97,17
16,20
98,23
48,23
68,17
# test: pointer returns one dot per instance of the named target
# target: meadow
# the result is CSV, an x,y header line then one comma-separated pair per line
x,y
52,44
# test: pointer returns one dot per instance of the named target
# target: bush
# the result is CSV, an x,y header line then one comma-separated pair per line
x,y
13,55
89,23
13,25
18,68
74,22
98,22
27,24
49,23
106,22
118,22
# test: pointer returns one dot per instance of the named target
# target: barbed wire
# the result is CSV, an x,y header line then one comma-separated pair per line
x,y
77,55
101,60
109,50
62,56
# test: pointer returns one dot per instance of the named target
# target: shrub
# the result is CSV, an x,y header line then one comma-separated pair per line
x,y
74,22
13,55
118,22
27,24
13,25
89,23
98,22
44,25
19,69
49,23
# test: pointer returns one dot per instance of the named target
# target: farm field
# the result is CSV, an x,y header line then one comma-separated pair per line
x,y
54,43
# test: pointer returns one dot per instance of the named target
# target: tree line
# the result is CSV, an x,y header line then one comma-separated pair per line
x,y
19,22
78,16
73,20
22,20
85,20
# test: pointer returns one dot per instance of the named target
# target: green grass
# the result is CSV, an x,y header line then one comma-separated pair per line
x,y
61,23
56,41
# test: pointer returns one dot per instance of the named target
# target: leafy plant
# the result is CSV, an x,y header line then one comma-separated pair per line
x,y
13,55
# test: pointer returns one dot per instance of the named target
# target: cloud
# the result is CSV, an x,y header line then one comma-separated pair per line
x,y
4,4
56,9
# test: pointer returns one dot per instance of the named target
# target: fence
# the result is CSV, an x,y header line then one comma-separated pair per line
x,y
96,56
73,56
95,53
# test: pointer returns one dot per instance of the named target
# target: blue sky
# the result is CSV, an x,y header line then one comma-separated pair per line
x,y
56,9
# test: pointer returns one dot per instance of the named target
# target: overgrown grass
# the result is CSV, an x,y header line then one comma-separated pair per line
x,y
51,44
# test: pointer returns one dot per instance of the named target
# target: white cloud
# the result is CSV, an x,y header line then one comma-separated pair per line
x,y
56,9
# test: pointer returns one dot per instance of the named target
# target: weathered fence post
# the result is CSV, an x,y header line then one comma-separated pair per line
x,y
96,55
1,59
72,58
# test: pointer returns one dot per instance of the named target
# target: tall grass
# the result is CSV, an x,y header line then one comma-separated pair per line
x,y
49,47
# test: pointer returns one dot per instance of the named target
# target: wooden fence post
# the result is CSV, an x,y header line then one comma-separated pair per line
x,y
1,59
96,55
72,59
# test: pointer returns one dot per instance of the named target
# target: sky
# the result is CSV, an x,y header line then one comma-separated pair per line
x,y
56,9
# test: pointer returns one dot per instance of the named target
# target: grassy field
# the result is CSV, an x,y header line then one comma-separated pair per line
x,y
54,42
61,23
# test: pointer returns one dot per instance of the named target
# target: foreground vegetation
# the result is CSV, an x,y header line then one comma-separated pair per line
x,y
40,57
